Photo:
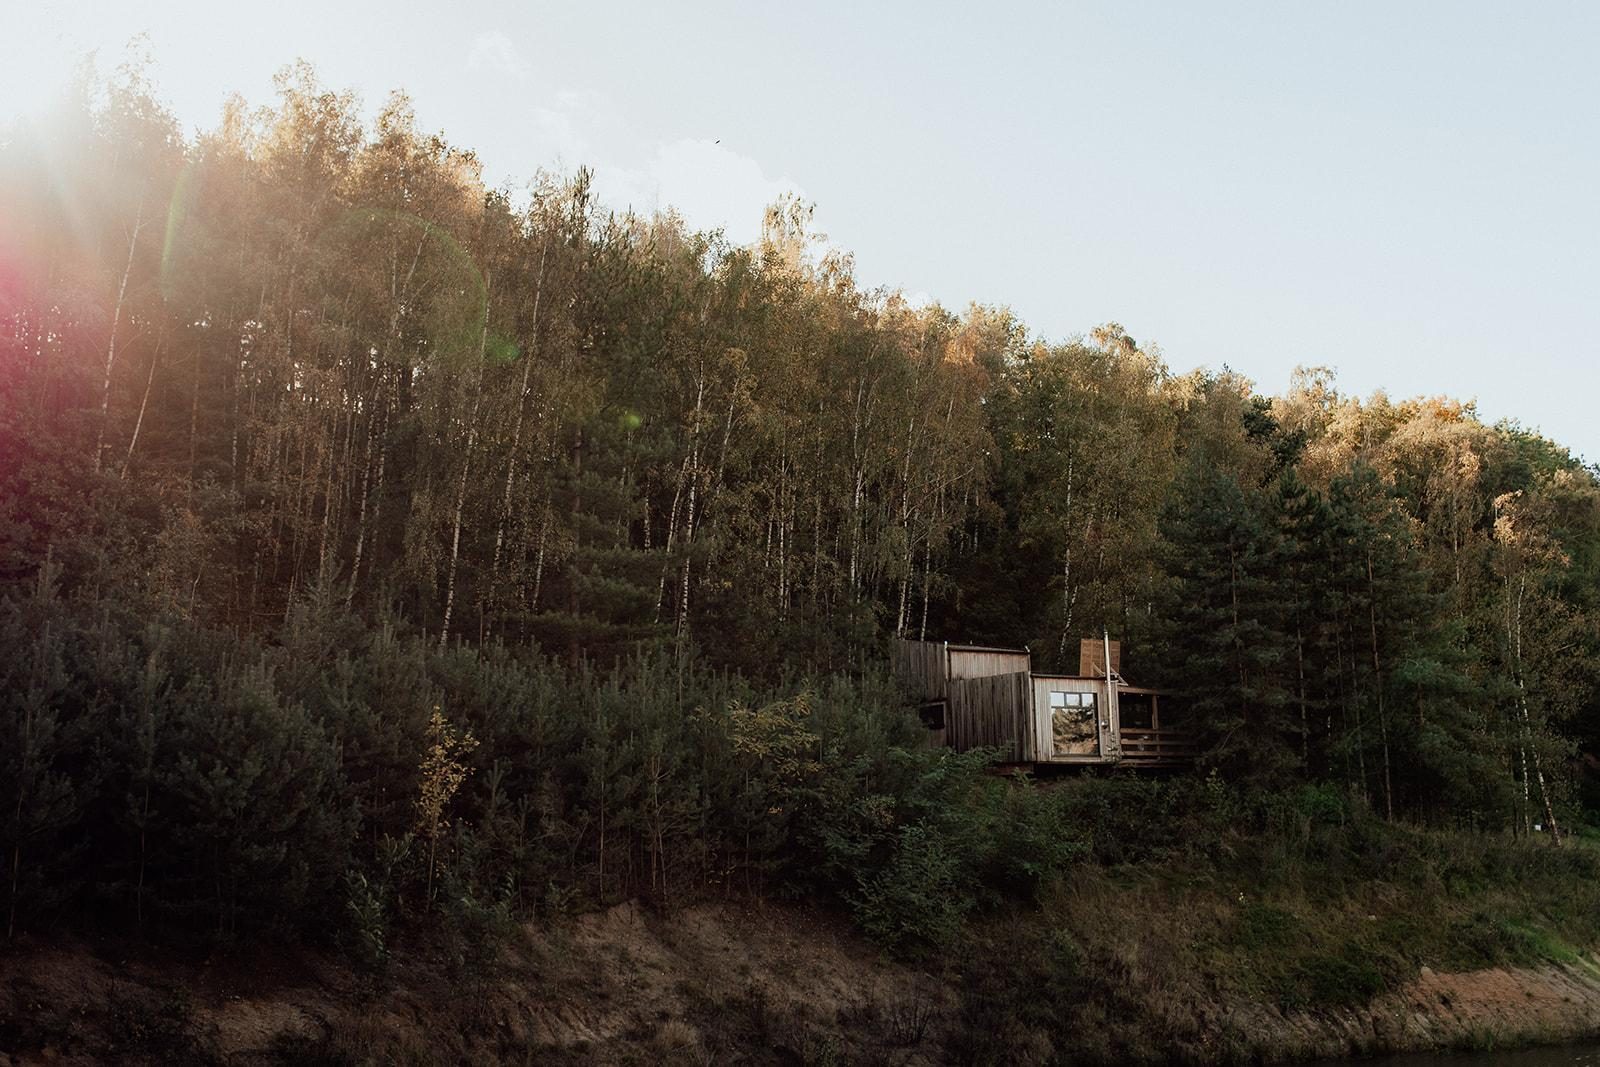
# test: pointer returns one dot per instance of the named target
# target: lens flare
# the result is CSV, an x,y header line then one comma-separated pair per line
x,y
177,212
434,278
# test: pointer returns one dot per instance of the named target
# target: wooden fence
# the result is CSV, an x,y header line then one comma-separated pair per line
x,y
994,712
1158,748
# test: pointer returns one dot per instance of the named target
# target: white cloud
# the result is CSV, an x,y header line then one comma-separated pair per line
x,y
555,135
710,185
565,132
498,54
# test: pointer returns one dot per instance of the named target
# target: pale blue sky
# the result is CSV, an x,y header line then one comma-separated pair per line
x,y
1407,192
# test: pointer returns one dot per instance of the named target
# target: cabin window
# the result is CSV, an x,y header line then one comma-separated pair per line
x,y
1074,724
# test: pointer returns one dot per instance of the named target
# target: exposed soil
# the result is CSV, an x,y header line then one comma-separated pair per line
x,y
713,983
1494,1008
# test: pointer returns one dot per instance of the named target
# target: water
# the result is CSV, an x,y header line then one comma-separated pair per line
x,y
1555,1056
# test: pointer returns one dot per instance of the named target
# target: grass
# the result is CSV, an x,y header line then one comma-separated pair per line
x,y
1302,916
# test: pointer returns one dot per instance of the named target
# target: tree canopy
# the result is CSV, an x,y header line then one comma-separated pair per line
x,y
304,430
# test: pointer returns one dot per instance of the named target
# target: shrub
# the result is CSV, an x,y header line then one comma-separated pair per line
x,y
917,898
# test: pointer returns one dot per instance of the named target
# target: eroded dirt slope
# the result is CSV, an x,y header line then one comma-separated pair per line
x,y
710,984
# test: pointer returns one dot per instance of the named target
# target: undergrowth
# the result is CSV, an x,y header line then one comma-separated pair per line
x,y
1197,896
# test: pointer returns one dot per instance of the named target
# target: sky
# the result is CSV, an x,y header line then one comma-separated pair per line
x,y
1407,192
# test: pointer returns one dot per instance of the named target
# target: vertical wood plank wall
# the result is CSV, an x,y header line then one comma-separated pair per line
x,y
926,666
920,667
993,712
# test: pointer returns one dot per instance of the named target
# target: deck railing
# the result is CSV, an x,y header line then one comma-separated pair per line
x,y
1158,748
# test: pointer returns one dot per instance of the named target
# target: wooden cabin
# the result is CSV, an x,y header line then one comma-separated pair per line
x,y
972,696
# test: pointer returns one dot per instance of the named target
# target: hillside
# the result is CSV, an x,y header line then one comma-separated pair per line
x,y
772,982
401,579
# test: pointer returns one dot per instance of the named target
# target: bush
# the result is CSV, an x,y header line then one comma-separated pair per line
x,y
917,898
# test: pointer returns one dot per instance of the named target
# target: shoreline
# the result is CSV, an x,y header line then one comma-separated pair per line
x,y
1496,1009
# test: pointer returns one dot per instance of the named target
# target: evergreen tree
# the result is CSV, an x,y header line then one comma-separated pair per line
x,y
1229,645
43,714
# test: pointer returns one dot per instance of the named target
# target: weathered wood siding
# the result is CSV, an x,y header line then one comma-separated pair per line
x,y
992,712
970,662
925,667
920,667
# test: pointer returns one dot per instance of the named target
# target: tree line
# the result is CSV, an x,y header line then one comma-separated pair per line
x,y
366,532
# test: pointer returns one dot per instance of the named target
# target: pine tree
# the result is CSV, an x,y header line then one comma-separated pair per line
x,y
1303,525
42,712
1230,646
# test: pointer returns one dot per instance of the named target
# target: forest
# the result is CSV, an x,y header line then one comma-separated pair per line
x,y
378,549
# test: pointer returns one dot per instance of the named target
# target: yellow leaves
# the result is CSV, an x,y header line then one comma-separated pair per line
x,y
1522,524
776,736
442,771
878,810
1111,337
